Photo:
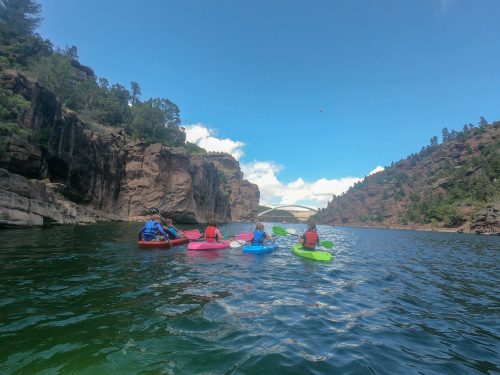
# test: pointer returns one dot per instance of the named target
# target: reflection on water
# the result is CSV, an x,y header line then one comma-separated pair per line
x,y
84,299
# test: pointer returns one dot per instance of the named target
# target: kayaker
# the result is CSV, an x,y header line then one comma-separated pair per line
x,y
171,230
212,233
310,238
259,236
151,230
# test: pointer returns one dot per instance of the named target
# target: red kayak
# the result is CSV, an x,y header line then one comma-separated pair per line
x,y
161,244
205,245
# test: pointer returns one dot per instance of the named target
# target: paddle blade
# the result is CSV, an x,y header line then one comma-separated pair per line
x,y
235,244
244,236
279,231
326,244
193,234
291,231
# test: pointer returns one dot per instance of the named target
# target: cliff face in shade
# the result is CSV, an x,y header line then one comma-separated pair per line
x,y
244,196
102,174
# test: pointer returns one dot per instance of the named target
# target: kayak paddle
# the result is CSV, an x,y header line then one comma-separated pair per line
x,y
236,244
244,236
156,211
192,234
326,244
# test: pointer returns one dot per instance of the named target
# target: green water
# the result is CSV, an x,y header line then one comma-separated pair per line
x,y
85,300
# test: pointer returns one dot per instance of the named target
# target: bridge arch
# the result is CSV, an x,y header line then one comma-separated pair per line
x,y
286,206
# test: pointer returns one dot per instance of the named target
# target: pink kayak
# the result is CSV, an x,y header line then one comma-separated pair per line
x,y
204,245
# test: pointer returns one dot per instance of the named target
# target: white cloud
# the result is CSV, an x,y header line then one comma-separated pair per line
x,y
205,137
265,174
274,192
377,169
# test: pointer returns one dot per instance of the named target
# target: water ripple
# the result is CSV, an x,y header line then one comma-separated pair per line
x,y
86,300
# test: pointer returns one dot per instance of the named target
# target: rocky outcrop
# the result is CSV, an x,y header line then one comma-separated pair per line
x,y
25,202
188,189
487,221
61,148
107,174
244,196
453,186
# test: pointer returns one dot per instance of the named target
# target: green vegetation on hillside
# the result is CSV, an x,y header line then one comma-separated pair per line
x,y
473,183
76,86
444,184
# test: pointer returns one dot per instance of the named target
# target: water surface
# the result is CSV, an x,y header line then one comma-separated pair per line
x,y
85,300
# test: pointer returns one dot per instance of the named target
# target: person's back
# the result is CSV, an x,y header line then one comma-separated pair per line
x,y
150,230
171,230
259,236
172,233
310,238
212,233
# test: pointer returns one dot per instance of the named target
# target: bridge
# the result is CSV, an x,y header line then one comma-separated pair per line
x,y
299,215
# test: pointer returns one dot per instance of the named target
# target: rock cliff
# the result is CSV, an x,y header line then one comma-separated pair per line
x,y
454,186
243,195
94,172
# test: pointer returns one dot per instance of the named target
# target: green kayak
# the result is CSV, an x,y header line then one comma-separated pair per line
x,y
311,254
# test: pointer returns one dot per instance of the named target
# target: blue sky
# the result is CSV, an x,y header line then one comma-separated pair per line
x,y
321,90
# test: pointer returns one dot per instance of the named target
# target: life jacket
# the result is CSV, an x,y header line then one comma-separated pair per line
x,y
150,228
172,233
210,233
311,239
258,238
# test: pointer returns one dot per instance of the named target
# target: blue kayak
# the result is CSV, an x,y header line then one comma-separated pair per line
x,y
260,248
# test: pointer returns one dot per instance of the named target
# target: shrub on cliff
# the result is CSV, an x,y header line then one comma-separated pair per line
x,y
443,185
76,86
157,120
18,42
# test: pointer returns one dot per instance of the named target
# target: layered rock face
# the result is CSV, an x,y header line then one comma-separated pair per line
x,y
93,172
25,202
391,198
244,196
188,189
88,162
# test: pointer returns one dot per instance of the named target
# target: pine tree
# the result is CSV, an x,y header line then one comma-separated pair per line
x,y
136,92
19,18
446,135
482,122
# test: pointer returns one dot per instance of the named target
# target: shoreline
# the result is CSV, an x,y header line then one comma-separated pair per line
x,y
419,229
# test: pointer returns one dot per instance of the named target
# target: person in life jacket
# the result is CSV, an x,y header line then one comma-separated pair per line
x,y
172,231
310,238
152,229
212,233
259,236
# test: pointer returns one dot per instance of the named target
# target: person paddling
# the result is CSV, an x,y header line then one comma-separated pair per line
x,y
172,231
310,238
259,236
212,233
151,229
